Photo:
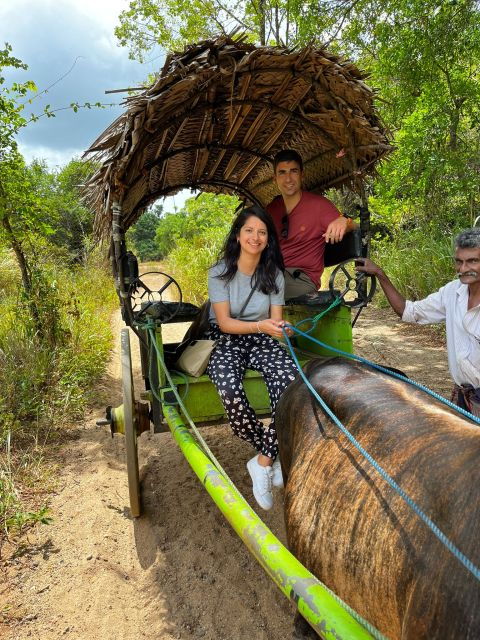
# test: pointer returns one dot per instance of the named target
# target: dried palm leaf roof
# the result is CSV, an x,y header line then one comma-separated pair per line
x,y
220,111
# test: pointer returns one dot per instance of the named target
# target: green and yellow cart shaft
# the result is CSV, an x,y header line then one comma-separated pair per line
x,y
313,600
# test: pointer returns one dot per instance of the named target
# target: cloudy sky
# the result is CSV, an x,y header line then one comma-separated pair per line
x,y
75,39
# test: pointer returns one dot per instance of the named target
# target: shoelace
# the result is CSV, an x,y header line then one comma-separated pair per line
x,y
266,483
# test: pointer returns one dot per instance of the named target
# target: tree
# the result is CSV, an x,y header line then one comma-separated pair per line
x,y
24,217
424,57
11,106
174,23
198,215
34,203
18,204
142,235
72,224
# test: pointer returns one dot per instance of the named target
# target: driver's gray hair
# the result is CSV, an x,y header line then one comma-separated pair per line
x,y
468,239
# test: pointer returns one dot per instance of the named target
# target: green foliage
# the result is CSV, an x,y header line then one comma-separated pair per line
x,y
71,219
207,211
172,24
424,57
23,197
42,388
192,238
141,237
47,203
417,262
190,261
11,105
54,325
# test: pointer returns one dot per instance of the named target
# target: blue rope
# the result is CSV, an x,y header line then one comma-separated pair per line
x,y
434,394
467,563
320,315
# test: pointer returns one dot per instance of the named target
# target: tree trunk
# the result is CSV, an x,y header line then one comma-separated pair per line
x,y
261,11
25,273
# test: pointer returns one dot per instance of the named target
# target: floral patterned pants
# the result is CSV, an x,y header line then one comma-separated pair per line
x,y
233,354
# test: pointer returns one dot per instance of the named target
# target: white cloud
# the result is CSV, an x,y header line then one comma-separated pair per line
x,y
54,158
104,12
176,202
50,36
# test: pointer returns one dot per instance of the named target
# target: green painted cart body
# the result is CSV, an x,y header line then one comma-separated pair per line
x,y
201,398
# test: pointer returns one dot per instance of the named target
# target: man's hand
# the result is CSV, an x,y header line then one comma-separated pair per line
x,y
394,297
368,266
336,229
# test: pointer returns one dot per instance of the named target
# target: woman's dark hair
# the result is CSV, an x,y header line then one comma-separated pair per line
x,y
270,259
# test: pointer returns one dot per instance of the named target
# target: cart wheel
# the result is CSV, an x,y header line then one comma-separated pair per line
x,y
130,429
146,301
357,288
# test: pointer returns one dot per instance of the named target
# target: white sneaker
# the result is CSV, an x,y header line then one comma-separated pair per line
x,y
262,483
277,475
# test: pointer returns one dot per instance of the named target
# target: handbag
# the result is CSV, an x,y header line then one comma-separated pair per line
x,y
195,356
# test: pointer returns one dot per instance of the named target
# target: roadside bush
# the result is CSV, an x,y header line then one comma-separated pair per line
x,y
197,217
141,236
191,259
45,384
417,262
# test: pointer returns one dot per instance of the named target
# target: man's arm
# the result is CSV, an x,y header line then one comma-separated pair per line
x,y
338,228
394,297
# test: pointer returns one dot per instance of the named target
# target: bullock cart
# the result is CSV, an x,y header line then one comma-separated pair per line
x,y
212,121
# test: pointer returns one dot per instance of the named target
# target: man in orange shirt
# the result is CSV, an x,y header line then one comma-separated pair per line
x,y
305,222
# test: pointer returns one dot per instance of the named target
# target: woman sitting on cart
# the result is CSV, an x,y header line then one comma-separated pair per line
x,y
246,289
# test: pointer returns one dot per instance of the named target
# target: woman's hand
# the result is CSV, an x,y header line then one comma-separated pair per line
x,y
274,327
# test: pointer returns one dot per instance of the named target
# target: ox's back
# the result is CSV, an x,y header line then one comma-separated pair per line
x,y
352,530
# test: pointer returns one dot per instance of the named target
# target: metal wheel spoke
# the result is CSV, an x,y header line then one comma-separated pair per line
x,y
166,285
346,272
365,285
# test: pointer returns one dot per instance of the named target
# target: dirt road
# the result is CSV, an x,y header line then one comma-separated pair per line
x,y
179,571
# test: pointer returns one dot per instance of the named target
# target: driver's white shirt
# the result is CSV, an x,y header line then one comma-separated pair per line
x,y
449,305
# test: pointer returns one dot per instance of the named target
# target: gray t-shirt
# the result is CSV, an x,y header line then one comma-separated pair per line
x,y
236,292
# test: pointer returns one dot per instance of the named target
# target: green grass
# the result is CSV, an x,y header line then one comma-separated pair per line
x,y
46,386
418,262
189,263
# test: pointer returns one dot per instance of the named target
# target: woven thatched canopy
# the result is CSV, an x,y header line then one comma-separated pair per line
x,y
220,111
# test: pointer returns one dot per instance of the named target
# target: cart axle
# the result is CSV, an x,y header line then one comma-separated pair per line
x,y
115,418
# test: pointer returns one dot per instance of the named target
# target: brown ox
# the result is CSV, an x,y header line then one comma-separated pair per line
x,y
352,530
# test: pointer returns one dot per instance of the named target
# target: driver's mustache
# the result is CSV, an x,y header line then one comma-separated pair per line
x,y
474,274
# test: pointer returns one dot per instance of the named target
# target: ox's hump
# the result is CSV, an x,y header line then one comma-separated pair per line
x,y
352,387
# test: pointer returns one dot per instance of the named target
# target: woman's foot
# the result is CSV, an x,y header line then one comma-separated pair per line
x,y
262,483
277,475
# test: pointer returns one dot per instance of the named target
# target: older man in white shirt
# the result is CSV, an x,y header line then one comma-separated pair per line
x,y
458,305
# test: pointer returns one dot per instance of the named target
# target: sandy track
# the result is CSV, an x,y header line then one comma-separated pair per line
x,y
179,571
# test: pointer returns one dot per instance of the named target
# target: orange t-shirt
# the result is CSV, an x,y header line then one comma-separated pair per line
x,y
304,246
